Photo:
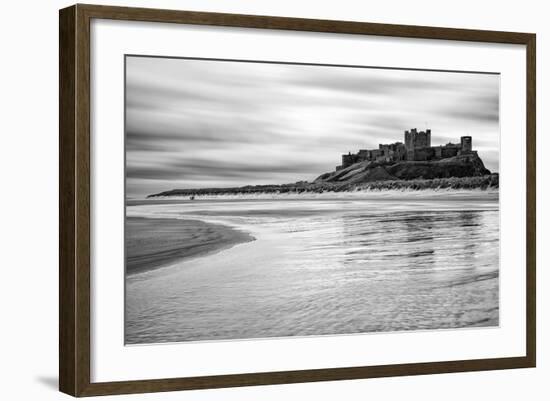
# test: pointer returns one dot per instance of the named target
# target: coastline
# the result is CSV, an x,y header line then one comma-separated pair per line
x,y
479,183
358,194
152,243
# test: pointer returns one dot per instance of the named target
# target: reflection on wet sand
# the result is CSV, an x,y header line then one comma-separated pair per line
x,y
324,267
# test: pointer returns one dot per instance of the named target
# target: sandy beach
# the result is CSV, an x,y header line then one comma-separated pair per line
x,y
319,267
155,242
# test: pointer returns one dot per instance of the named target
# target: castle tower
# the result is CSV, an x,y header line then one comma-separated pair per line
x,y
466,144
411,138
408,140
429,138
410,143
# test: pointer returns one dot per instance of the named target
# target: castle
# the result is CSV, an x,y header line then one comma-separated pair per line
x,y
417,147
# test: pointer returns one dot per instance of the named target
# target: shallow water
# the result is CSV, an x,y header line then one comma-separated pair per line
x,y
324,266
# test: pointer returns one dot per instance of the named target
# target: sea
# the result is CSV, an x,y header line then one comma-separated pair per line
x,y
326,264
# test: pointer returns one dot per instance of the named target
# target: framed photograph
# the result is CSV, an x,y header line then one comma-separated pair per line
x,y
250,200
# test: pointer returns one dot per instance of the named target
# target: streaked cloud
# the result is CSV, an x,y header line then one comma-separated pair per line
x,y
201,123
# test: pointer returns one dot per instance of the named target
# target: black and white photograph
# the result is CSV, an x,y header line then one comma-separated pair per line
x,y
272,200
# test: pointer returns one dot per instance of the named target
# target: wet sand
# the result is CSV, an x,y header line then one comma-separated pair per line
x,y
324,267
154,243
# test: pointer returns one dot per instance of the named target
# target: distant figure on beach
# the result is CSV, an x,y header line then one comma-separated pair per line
x,y
192,197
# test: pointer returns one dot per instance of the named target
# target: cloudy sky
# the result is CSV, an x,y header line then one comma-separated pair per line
x,y
201,123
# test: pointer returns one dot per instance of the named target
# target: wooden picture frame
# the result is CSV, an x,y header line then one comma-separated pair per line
x,y
74,200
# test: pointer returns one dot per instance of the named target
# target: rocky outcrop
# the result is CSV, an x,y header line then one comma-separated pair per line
x,y
458,172
469,165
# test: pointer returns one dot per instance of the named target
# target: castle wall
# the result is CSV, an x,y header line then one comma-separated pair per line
x,y
449,151
417,147
422,154
348,160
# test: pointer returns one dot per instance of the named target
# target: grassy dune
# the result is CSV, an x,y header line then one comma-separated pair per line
x,y
481,182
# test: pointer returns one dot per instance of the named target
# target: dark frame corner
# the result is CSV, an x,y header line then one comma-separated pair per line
x,y
74,199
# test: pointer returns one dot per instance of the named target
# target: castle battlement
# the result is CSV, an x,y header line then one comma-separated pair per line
x,y
417,147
